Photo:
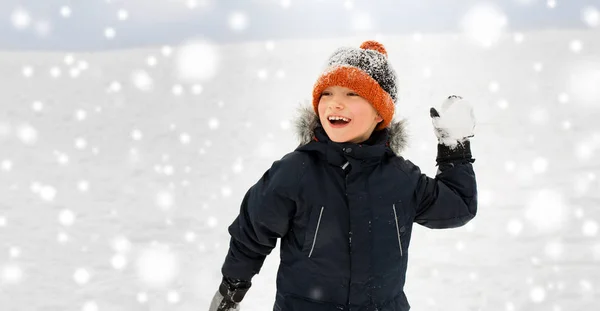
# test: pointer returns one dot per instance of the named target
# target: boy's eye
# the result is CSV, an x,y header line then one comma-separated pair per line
x,y
325,94
352,94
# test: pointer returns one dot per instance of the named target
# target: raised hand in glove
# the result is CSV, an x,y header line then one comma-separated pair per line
x,y
230,294
454,122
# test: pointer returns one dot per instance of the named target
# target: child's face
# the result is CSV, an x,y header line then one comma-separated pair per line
x,y
344,102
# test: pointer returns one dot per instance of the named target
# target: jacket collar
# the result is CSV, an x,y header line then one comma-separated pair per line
x,y
312,137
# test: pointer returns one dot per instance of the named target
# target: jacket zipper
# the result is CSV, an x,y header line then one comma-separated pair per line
x,y
316,232
397,229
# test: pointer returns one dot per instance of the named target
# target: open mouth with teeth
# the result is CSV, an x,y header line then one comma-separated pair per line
x,y
337,121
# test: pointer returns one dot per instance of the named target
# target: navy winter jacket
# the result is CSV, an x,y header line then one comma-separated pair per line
x,y
344,213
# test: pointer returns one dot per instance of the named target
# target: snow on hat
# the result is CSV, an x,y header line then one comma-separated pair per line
x,y
365,70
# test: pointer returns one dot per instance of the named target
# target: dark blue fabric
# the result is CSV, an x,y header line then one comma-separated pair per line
x,y
357,222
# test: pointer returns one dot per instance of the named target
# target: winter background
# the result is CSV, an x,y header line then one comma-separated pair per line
x,y
130,131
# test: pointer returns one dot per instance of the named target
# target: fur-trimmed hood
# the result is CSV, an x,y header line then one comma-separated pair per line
x,y
307,121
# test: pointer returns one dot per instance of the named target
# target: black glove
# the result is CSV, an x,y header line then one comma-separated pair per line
x,y
453,128
230,294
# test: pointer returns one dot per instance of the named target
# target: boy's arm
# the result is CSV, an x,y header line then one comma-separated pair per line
x,y
450,199
265,215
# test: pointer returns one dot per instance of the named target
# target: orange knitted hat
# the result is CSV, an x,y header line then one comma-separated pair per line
x,y
365,70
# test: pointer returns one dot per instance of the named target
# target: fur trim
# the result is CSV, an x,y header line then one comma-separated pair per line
x,y
307,120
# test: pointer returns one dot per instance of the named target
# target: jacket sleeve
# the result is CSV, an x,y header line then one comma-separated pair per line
x,y
450,199
264,216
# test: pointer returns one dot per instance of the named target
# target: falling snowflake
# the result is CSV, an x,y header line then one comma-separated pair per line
x,y
142,80
12,274
122,14
157,265
65,11
173,297
81,276
142,297
66,218
121,244
110,33
546,210
90,306
484,24
20,18
118,261
238,21
197,61
591,16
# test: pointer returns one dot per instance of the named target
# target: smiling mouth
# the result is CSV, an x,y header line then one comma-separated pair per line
x,y
338,123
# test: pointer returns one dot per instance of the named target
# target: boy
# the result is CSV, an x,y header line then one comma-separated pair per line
x,y
343,203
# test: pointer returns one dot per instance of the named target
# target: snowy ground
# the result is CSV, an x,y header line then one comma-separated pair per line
x,y
118,178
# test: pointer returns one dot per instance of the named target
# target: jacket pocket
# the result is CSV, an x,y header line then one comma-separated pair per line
x,y
312,230
398,229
